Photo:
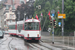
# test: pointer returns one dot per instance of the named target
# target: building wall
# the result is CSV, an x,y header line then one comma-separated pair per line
x,y
9,5
14,2
9,15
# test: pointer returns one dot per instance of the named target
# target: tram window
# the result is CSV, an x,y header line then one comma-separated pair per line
x,y
32,26
26,26
20,26
12,27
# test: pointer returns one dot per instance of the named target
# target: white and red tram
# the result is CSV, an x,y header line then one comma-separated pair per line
x,y
12,28
29,29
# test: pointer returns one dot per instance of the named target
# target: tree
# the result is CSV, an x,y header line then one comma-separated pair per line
x,y
24,8
48,5
70,19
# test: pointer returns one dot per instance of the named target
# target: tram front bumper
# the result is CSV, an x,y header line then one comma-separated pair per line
x,y
32,38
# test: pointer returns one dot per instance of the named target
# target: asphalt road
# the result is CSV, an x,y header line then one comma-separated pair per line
x,y
16,43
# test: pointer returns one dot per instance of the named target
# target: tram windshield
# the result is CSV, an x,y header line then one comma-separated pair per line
x,y
31,26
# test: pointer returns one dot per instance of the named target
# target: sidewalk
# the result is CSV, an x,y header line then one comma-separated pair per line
x,y
58,42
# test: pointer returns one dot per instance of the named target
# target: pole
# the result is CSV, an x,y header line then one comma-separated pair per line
x,y
18,15
0,21
74,40
24,16
52,32
62,19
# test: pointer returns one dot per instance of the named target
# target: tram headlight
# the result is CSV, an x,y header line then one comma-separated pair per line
x,y
37,35
28,35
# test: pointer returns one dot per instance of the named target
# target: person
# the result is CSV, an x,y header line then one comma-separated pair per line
x,y
29,28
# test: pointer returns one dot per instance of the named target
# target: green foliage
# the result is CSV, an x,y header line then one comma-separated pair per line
x,y
45,8
48,5
70,13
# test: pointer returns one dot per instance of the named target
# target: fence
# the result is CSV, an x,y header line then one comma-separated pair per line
x,y
68,39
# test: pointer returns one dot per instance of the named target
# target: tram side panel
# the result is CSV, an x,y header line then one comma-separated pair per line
x,y
13,29
20,30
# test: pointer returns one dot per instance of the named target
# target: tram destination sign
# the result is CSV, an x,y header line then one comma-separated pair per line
x,y
61,16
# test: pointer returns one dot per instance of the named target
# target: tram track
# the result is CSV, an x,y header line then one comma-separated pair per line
x,y
34,46
9,47
3,40
38,46
43,46
13,46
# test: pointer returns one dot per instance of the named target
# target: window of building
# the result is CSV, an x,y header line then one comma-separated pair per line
x,y
13,7
5,16
11,16
22,1
7,7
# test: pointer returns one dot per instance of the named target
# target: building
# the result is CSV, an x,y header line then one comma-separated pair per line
x,y
14,4
9,10
9,17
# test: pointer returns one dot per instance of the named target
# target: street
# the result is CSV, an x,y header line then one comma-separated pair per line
x,y
16,43
51,22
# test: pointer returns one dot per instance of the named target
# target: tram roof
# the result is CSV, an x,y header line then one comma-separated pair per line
x,y
32,20
14,23
20,22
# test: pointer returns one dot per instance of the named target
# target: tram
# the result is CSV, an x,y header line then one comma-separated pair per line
x,y
12,28
29,29
32,29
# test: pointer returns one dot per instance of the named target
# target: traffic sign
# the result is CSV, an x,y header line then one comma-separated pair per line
x,y
53,15
61,16
49,29
52,32
59,24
